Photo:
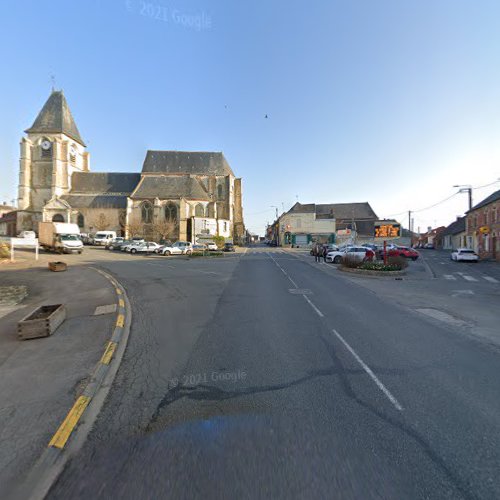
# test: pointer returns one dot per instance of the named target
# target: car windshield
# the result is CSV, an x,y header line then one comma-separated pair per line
x,y
70,237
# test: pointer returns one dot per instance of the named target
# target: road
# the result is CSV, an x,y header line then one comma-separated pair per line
x,y
265,375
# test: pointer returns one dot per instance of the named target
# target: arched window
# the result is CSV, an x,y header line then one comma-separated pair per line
x,y
58,218
147,212
80,220
211,210
199,210
171,211
219,191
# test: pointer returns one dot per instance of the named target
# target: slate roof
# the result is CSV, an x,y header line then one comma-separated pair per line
x,y
186,162
104,182
455,227
55,117
95,201
490,199
170,187
338,210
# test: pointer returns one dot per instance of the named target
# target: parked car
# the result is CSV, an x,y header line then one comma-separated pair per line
x,y
199,247
114,243
178,248
406,252
429,246
464,255
29,235
102,238
133,241
359,253
212,246
87,238
228,247
144,246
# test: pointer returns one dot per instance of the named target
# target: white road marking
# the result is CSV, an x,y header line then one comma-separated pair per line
x,y
490,279
449,277
107,309
367,369
283,271
468,278
318,312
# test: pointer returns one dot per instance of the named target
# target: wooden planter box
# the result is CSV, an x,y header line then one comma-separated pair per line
x,y
57,266
42,322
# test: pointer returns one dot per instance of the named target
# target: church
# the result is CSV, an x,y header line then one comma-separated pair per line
x,y
179,195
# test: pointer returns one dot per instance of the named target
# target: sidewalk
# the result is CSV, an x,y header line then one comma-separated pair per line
x,y
41,378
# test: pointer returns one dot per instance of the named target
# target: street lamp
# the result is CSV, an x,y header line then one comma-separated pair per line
x,y
465,188
277,226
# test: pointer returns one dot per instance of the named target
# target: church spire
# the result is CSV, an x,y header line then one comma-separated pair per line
x,y
56,118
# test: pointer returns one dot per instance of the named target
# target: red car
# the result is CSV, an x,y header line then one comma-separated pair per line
x,y
409,253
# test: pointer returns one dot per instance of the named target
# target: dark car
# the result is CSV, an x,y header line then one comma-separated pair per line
x,y
228,247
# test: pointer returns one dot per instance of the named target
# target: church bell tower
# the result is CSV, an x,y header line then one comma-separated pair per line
x,y
50,152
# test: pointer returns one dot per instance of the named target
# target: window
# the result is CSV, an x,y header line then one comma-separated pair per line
x,y
171,211
225,226
147,212
199,210
219,191
80,220
58,218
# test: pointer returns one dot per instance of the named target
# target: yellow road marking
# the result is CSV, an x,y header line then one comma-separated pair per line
x,y
118,291
121,303
108,353
62,435
120,320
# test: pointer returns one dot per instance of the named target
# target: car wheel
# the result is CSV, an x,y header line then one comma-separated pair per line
x,y
337,259
188,252
133,250
414,259
166,253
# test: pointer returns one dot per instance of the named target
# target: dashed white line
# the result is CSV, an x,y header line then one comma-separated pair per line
x,y
468,278
490,279
283,271
449,277
367,369
318,312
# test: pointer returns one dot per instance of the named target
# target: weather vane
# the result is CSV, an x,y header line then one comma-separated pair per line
x,y
53,81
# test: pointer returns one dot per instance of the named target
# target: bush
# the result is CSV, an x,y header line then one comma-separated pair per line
x,y
207,254
4,251
219,241
379,266
351,261
398,261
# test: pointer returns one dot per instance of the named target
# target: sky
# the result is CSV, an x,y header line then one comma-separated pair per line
x,y
392,102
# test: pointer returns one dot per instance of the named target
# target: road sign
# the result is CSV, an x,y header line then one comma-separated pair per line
x,y
484,230
390,230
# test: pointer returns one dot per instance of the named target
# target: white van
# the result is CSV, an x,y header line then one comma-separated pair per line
x,y
104,237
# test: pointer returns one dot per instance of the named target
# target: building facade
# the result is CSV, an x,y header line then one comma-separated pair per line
x,y
304,224
483,227
178,194
454,236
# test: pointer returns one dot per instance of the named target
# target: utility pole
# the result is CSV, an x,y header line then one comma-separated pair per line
x,y
465,189
409,227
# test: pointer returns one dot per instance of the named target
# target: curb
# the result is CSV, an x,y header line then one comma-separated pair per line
x,y
73,431
371,273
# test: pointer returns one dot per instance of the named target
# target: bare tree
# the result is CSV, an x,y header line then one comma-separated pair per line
x,y
165,229
135,229
101,222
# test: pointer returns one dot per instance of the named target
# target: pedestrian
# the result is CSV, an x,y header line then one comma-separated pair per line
x,y
325,252
317,253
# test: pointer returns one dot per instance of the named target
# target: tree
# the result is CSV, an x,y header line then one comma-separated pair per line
x,y
135,229
219,241
101,222
165,229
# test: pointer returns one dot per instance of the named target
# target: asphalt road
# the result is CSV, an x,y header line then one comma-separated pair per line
x,y
262,376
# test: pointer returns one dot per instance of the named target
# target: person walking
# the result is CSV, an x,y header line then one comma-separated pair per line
x,y
317,253
325,252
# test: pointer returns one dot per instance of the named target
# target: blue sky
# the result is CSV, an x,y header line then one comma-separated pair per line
x,y
391,102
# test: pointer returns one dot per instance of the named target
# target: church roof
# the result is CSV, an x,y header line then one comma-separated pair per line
x,y
186,162
349,211
170,187
56,118
104,182
95,201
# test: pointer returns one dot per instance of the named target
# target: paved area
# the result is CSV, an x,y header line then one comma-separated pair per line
x,y
41,378
265,376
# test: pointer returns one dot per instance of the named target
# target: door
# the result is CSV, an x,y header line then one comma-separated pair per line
x,y
301,240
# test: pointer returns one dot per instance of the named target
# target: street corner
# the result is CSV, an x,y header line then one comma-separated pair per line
x,y
47,382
